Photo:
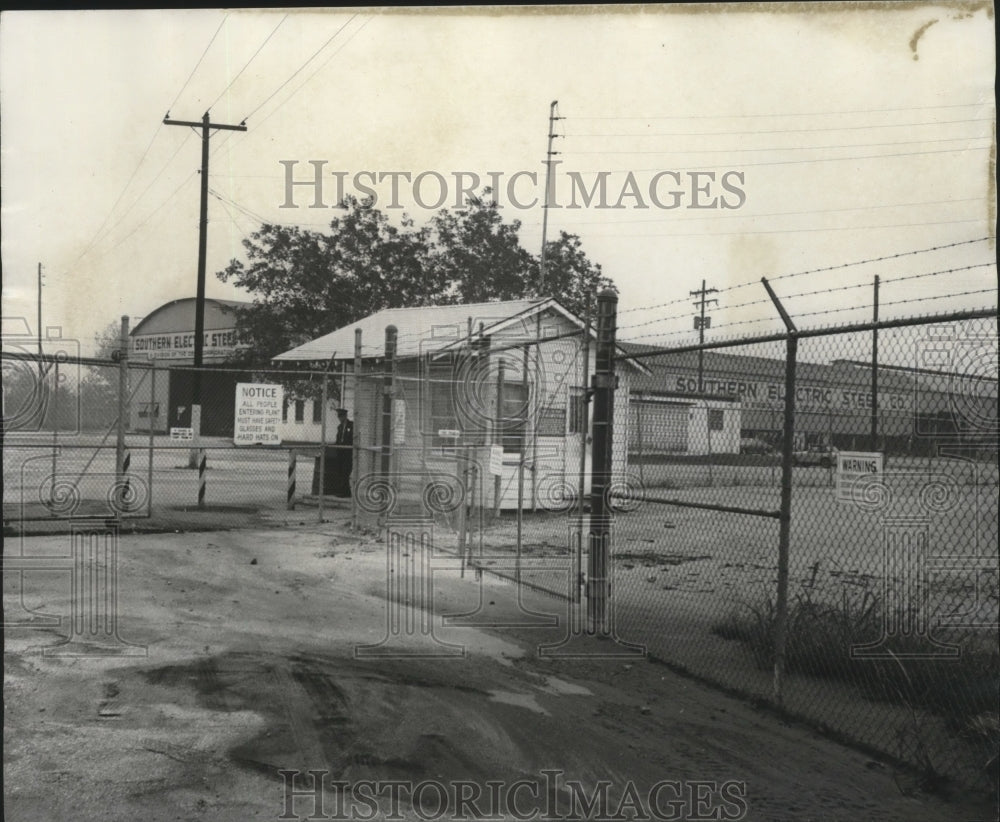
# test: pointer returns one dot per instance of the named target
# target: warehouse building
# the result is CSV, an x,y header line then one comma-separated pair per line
x,y
833,403
165,337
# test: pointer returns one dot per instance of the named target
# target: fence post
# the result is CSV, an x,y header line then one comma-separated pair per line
x,y
152,425
498,440
600,520
520,470
122,413
291,480
577,583
385,465
785,520
874,432
55,427
356,444
322,451
202,467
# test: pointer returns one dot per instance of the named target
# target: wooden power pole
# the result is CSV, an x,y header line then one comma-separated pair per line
x,y
199,311
702,322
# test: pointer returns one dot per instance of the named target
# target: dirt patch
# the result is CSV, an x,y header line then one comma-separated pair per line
x,y
252,669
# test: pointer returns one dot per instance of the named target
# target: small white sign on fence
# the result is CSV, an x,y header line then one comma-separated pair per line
x,y
182,433
496,460
399,422
852,466
258,414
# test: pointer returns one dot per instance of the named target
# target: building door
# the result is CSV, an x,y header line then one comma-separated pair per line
x,y
579,420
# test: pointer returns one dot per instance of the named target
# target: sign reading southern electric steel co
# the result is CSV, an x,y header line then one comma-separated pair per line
x,y
177,346
258,414
756,394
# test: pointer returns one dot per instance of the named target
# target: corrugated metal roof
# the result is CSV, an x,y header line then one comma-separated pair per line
x,y
184,308
419,329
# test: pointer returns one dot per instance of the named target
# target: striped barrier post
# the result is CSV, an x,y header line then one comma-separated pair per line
x,y
202,464
126,491
291,479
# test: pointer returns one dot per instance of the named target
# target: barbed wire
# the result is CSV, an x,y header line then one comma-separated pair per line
x,y
764,300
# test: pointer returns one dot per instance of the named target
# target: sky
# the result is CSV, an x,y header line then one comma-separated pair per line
x,y
815,145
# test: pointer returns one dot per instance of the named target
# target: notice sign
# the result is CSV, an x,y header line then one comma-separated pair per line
x,y
258,414
854,467
182,433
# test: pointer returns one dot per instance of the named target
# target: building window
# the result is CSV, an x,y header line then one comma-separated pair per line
x,y
300,410
716,419
577,412
284,410
317,411
441,406
514,416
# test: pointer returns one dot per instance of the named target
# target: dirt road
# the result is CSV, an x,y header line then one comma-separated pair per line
x,y
244,666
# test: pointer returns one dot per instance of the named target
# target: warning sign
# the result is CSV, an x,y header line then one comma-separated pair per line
x,y
852,466
258,414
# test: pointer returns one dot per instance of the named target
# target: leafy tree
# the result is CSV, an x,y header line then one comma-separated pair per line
x,y
309,283
570,276
97,392
477,256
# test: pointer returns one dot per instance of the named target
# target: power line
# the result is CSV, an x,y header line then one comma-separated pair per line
x,y
121,194
94,239
823,269
745,134
289,79
248,62
152,213
883,258
810,161
776,114
672,235
307,62
179,93
141,194
799,212
786,148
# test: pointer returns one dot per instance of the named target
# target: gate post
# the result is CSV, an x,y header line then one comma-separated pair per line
x,y
388,369
122,413
785,513
600,520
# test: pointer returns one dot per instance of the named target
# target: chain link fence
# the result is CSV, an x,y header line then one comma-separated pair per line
x,y
773,515
88,438
835,554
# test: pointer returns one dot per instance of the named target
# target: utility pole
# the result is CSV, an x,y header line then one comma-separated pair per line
x,y
548,191
874,434
701,322
199,309
41,368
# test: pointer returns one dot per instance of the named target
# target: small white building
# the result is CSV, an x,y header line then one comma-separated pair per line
x,y
665,422
504,379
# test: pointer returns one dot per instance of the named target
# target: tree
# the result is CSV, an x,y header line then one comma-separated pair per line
x,y
307,283
570,275
98,389
477,256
